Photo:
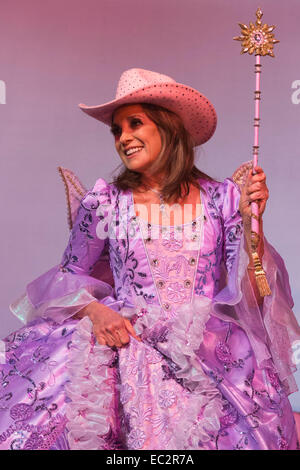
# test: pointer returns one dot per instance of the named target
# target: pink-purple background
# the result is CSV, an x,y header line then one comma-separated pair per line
x,y
55,54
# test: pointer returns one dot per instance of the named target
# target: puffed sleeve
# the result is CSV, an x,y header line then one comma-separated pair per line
x,y
68,287
272,327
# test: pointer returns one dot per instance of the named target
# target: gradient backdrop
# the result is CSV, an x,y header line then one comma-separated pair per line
x,y
55,54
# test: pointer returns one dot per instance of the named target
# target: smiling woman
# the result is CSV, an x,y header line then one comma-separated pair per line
x,y
166,160
179,351
133,130
158,156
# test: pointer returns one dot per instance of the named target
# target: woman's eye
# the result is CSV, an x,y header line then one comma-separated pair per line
x,y
117,131
135,122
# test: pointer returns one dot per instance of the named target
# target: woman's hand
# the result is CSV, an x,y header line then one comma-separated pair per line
x,y
255,189
109,327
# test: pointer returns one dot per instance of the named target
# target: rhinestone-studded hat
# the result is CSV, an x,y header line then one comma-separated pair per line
x,y
143,86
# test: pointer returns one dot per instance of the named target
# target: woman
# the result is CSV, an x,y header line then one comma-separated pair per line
x,y
182,353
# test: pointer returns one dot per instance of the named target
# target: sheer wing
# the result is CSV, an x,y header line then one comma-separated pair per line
x,y
75,191
240,174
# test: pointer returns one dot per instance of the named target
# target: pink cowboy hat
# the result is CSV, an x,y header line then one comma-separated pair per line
x,y
143,86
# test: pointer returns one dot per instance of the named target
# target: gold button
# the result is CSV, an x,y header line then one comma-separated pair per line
x,y
192,261
187,283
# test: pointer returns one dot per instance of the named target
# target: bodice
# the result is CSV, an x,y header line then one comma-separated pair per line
x,y
166,270
170,271
173,254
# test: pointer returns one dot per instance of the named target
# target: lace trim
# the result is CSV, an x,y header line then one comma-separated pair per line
x,y
90,390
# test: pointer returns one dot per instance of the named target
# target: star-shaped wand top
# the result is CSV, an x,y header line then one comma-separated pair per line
x,y
257,38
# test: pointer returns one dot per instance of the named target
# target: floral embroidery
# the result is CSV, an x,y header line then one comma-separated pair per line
x,y
173,275
230,418
125,393
139,415
136,439
160,424
176,292
129,278
172,244
228,234
152,356
166,398
282,442
274,379
35,441
224,355
158,334
235,233
28,436
67,259
243,441
21,411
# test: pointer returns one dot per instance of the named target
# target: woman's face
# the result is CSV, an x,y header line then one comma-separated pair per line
x,y
136,133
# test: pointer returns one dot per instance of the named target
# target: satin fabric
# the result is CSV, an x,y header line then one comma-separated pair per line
x,y
216,374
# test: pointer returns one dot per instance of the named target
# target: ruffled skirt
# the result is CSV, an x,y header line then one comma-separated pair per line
x,y
189,384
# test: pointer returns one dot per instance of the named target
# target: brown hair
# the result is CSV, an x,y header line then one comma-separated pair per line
x,y
176,158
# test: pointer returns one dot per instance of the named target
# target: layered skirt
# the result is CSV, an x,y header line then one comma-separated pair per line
x,y
193,383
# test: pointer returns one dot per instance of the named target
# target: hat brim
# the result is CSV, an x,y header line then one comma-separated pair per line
x,y
196,111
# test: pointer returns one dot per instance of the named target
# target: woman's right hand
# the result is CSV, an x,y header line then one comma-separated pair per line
x,y
109,327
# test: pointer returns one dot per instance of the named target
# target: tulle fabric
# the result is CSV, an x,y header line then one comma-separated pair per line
x,y
64,307
272,328
93,388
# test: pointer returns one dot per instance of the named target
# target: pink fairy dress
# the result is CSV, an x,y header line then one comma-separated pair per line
x,y
213,370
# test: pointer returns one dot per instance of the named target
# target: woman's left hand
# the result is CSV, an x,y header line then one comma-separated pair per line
x,y
255,189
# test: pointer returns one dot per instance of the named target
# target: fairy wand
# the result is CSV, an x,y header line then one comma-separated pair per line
x,y
258,39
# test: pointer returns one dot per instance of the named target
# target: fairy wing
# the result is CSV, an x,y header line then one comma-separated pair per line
x,y
240,174
75,191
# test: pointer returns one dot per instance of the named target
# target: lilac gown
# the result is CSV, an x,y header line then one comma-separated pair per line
x,y
213,369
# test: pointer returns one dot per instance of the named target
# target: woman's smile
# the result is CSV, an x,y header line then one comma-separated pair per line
x,y
137,138
133,151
